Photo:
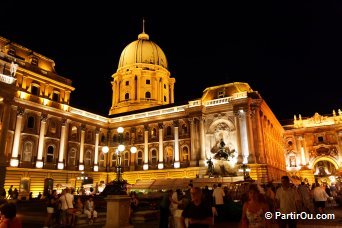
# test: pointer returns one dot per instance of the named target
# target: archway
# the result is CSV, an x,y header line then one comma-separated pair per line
x,y
325,169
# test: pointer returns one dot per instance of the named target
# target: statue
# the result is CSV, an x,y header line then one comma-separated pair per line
x,y
210,167
13,69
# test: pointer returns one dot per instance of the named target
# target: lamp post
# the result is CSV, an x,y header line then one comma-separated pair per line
x,y
118,186
245,169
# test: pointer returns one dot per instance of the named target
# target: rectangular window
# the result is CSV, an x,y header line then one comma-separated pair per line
x,y
220,94
127,83
34,61
11,52
148,81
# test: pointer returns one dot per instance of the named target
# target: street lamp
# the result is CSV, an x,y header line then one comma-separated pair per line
x,y
245,169
118,186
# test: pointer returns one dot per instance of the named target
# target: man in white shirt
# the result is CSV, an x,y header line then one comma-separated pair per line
x,y
288,200
218,195
320,197
67,201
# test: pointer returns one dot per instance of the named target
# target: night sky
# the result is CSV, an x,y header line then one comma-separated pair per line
x,y
291,52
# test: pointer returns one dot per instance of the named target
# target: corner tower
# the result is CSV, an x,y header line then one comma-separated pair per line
x,y
142,79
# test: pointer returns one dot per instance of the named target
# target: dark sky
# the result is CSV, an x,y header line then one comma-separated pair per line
x,y
291,52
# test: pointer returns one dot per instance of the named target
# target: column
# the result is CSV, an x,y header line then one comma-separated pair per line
x,y
81,165
171,93
202,143
4,129
176,126
161,152
243,136
96,152
249,115
17,132
145,166
260,146
193,160
40,163
62,145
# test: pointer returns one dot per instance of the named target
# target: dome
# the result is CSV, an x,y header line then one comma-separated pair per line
x,y
142,50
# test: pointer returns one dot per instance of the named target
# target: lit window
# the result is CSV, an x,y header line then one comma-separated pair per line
x,y
87,158
154,157
140,158
72,157
27,151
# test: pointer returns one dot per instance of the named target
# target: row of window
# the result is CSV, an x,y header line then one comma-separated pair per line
x,y
148,82
35,90
72,156
34,60
147,96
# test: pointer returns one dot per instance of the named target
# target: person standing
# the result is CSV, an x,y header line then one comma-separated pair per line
x,y
287,200
218,195
198,212
10,192
307,200
320,197
164,208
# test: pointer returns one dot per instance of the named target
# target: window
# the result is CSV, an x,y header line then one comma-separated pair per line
x,y
293,162
89,136
169,155
164,86
53,127
168,131
147,95
127,136
72,157
140,158
220,94
101,160
114,159
185,154
184,129
320,139
148,81
28,146
11,51
74,132
126,159
87,158
30,122
35,90
34,61
103,138
154,157
153,133
140,135
50,154
115,138
164,98
55,96
127,83
126,96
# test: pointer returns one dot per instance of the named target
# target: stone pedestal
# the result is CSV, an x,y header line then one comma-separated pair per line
x,y
117,211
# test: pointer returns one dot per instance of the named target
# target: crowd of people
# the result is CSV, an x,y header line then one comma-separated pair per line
x,y
203,207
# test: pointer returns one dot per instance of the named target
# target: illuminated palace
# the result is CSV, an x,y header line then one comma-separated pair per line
x,y
47,143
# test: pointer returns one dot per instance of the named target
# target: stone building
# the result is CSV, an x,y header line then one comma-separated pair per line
x,y
313,147
45,143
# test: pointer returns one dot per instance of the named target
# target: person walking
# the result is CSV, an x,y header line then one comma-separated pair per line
x,y
198,213
253,212
218,195
287,201
320,197
164,208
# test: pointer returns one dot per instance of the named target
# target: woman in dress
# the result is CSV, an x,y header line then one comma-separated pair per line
x,y
253,212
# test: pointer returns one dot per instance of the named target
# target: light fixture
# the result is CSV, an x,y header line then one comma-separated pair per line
x,y
105,149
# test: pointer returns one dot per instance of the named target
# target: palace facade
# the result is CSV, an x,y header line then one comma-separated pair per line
x,y
45,143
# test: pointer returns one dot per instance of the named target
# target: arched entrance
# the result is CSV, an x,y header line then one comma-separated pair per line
x,y
325,169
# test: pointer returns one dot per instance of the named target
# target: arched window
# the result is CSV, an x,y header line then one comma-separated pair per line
x,y
169,155
168,131
87,158
50,154
147,95
140,135
154,157
185,153
293,162
103,138
126,96
101,160
126,159
27,153
184,129
30,122
52,127
72,157
140,158
114,159
74,132
153,133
